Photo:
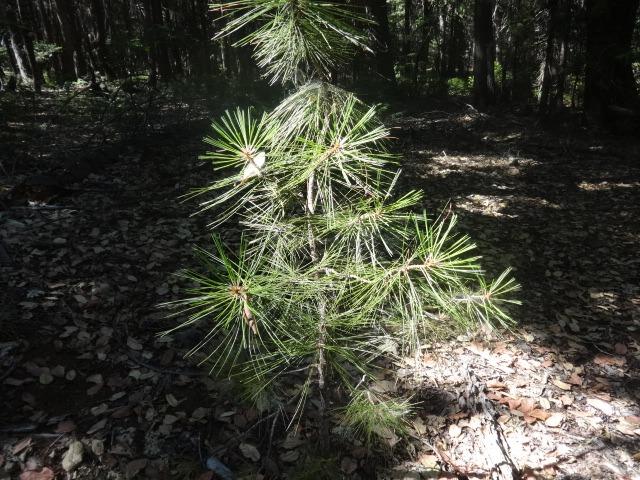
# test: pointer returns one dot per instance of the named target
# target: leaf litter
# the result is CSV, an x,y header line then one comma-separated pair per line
x,y
558,396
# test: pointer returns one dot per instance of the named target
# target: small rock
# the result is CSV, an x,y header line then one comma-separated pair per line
x,y
71,375
58,371
73,457
59,241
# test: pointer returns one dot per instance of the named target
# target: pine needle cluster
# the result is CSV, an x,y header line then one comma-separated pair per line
x,y
334,269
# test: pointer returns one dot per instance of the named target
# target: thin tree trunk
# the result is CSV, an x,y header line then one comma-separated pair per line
x,y
27,30
66,22
97,8
16,43
483,54
549,67
160,40
384,53
564,22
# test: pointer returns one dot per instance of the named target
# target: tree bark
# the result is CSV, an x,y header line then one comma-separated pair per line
x,y
384,53
27,29
160,40
97,8
16,43
72,60
483,54
609,81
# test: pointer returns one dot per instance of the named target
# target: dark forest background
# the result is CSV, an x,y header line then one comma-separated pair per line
x,y
544,54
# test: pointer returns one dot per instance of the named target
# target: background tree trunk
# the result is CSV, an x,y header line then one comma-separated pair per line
x,y
483,54
383,46
609,80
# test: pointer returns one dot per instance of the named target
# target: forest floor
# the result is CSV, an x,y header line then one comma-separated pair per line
x,y
92,231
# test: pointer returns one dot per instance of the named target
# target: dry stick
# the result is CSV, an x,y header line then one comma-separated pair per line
x,y
322,327
496,447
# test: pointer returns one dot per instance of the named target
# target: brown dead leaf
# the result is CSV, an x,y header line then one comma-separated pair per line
x,y
566,399
527,405
514,403
65,426
609,360
620,348
575,379
539,414
497,384
632,419
45,474
22,445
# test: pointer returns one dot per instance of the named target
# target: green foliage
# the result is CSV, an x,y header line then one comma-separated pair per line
x,y
44,51
335,268
369,416
294,36
460,86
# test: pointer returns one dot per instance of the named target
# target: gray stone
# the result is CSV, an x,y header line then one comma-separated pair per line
x,y
73,457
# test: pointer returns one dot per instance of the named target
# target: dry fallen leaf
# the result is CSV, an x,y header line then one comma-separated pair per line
x,y
133,344
604,407
620,348
632,419
609,360
539,414
566,400
428,460
554,420
45,474
249,451
454,430
21,445
135,466
561,385
65,426
575,379
527,405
